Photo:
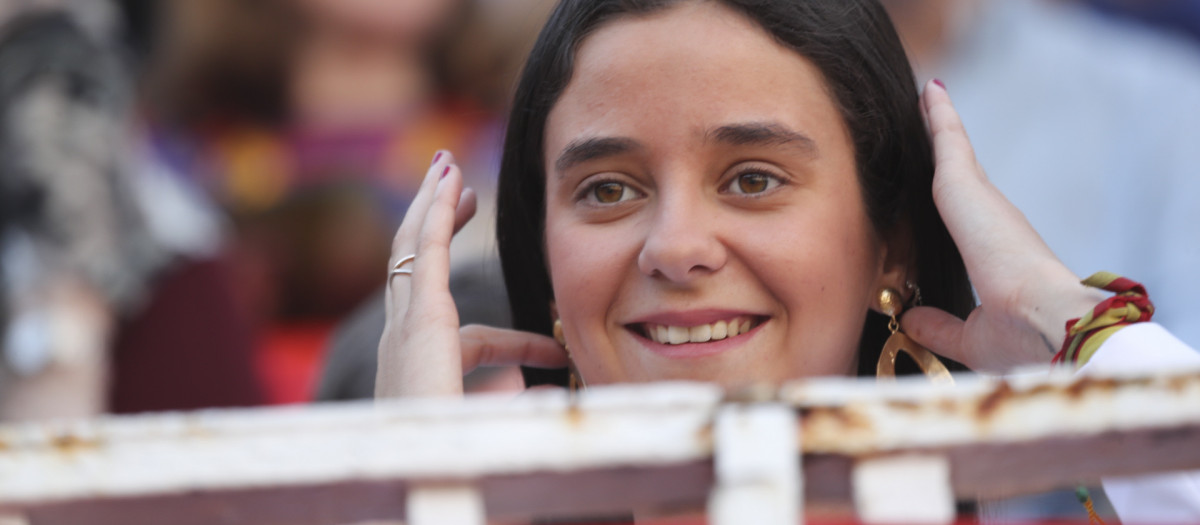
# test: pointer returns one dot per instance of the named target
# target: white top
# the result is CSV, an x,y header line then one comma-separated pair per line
x,y
1161,498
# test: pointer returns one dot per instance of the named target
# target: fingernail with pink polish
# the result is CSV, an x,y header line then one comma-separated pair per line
x,y
436,158
938,81
445,172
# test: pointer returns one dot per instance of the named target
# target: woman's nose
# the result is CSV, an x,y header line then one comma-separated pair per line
x,y
682,243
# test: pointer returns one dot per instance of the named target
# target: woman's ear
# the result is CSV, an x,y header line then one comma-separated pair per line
x,y
897,264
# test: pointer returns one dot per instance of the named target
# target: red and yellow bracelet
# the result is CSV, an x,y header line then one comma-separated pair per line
x,y
1086,334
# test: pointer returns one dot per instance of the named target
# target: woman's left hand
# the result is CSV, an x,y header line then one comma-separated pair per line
x,y
1026,294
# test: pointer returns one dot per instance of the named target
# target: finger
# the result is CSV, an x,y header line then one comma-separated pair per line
x,y
465,209
951,146
977,215
489,346
925,109
431,269
937,330
404,243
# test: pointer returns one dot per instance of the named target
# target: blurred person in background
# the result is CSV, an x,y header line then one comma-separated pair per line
x,y
305,125
1088,124
76,251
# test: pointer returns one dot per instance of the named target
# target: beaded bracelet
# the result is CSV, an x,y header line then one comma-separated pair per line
x,y
1086,334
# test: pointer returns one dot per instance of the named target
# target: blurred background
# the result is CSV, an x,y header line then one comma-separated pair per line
x,y
197,197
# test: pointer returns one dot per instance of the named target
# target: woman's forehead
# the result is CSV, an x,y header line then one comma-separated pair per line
x,y
688,70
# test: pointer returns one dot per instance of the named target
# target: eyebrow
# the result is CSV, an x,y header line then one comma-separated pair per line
x,y
763,134
583,150
742,134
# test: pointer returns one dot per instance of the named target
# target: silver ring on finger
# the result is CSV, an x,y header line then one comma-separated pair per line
x,y
400,269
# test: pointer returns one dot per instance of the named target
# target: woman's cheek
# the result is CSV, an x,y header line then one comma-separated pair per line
x,y
590,264
574,269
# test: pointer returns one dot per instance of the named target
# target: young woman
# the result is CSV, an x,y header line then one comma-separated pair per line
x,y
724,190
676,165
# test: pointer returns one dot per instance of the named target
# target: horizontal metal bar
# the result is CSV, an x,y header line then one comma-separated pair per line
x,y
618,448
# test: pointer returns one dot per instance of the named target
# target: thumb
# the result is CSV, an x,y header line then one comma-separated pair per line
x,y
490,346
937,330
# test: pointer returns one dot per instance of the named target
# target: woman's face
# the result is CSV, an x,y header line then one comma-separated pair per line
x,y
701,184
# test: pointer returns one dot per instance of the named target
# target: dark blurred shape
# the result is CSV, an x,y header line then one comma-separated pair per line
x,y
140,23
484,58
1177,15
220,59
189,349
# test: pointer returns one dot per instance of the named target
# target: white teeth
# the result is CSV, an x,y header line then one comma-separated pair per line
x,y
677,335
698,334
719,330
733,328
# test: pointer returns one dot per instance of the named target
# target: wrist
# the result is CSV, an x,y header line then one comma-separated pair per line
x,y
1063,299
1073,303
1085,334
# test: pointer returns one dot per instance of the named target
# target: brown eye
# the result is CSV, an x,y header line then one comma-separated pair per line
x,y
749,183
611,192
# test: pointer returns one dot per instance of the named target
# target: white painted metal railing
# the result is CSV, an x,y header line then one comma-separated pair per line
x,y
900,452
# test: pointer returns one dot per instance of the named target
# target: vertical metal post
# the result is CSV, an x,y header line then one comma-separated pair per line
x,y
446,505
757,465
903,489
13,519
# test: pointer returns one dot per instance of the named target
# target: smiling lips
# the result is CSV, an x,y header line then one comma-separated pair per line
x,y
703,333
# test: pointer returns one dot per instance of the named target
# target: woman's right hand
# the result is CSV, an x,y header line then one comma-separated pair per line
x,y
423,352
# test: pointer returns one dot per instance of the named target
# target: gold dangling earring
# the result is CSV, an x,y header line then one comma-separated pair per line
x,y
574,380
891,304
